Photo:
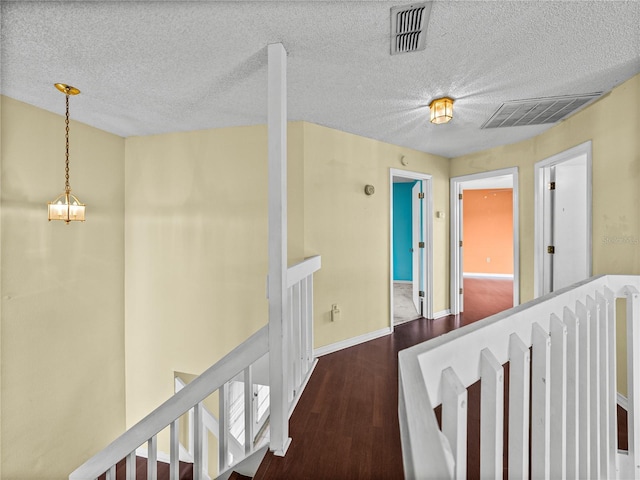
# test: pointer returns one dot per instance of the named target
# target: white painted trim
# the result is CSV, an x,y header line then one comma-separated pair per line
x,y
303,269
351,342
487,275
441,314
456,187
538,191
427,235
623,401
409,282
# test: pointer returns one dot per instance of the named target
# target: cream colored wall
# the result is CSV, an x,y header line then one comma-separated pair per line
x,y
196,251
352,232
62,296
613,125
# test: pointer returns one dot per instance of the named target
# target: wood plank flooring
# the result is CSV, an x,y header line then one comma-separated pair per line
x,y
345,425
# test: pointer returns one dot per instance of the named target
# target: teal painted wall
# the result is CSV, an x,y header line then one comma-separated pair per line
x,y
402,263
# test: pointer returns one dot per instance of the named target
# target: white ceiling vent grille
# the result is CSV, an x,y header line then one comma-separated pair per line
x,y
537,111
408,27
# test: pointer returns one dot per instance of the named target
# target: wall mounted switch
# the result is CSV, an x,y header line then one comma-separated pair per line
x,y
335,313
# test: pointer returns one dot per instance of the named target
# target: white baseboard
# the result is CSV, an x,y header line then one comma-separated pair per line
x,y
350,342
292,407
488,275
443,313
623,401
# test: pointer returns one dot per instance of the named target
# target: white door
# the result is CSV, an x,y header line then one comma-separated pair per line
x,y
570,231
416,238
563,219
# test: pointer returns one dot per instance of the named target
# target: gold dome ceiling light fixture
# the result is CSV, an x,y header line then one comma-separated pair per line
x,y
441,110
67,207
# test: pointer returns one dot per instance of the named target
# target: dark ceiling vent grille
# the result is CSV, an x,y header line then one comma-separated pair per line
x,y
408,27
537,111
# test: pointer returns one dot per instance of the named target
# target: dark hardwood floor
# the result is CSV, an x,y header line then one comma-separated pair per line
x,y
345,425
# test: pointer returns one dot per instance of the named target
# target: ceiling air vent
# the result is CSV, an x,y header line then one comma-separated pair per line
x,y
408,27
537,111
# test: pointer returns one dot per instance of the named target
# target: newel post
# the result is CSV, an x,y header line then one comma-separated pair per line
x,y
277,138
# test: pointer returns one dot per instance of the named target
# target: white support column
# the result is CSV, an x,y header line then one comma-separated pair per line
x,y
633,382
519,384
573,367
454,420
277,137
558,468
152,458
540,403
491,415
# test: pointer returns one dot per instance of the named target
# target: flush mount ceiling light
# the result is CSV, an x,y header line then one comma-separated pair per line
x,y
67,207
441,110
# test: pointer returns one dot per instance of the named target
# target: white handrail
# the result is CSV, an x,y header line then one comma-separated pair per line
x,y
194,393
582,315
303,269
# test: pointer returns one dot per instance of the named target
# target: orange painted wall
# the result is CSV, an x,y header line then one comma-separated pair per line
x,y
488,231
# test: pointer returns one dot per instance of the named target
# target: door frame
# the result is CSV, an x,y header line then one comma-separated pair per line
x,y
540,168
455,188
427,235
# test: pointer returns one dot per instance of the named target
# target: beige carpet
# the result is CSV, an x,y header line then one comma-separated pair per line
x,y
403,308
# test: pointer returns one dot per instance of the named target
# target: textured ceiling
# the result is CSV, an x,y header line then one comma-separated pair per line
x,y
156,67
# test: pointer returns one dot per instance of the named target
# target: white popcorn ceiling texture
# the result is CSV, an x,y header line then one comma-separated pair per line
x,y
156,67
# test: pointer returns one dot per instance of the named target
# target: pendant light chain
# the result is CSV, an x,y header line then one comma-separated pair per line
x,y
67,188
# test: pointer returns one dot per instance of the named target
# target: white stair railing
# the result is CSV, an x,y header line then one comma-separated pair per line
x,y
239,363
561,350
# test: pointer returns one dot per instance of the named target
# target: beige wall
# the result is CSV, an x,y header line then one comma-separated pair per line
x,y
613,125
62,390
352,230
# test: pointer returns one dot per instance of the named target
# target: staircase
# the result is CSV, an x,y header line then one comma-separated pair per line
x,y
121,459
548,370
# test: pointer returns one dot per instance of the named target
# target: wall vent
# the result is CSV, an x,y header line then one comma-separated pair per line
x,y
409,27
537,111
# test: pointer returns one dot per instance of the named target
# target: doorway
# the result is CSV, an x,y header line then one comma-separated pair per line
x,y
411,246
493,184
562,219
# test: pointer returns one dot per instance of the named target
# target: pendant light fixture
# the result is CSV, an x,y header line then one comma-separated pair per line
x,y
67,207
441,110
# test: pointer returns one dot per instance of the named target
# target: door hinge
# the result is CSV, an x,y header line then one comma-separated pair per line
x,y
460,242
552,185
551,249
421,293
460,290
420,244
459,196
421,195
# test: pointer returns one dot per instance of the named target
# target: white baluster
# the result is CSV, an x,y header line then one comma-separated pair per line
x,y
584,386
296,340
288,350
309,320
612,376
304,325
152,458
540,402
558,432
174,450
198,435
491,415
111,473
594,390
130,469
633,383
603,386
223,424
573,366
519,388
454,420
248,410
